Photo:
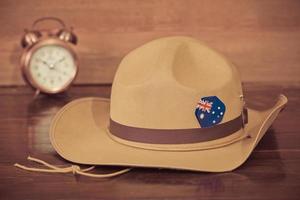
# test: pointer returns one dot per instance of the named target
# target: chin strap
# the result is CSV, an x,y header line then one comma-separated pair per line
x,y
75,169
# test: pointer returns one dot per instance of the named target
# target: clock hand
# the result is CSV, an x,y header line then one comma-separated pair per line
x,y
59,61
45,63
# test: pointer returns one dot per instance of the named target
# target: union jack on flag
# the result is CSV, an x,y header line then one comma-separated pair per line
x,y
204,105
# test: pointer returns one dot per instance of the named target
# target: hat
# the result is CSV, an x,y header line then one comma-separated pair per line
x,y
175,103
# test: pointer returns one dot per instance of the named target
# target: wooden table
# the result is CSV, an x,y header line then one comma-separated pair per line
x,y
271,172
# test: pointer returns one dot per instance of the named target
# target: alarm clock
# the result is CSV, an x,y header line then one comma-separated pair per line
x,y
49,62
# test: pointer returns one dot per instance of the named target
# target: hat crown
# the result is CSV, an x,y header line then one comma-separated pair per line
x,y
159,84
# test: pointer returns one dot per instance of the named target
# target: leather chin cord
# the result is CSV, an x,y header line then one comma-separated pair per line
x,y
74,169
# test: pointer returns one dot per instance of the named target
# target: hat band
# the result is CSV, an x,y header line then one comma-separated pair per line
x,y
176,136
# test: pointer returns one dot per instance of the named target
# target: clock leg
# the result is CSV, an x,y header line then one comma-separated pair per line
x,y
37,92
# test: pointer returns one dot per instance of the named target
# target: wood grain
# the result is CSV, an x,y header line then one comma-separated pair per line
x,y
271,172
261,37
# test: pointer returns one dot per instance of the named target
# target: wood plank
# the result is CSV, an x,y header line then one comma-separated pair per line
x,y
271,172
261,37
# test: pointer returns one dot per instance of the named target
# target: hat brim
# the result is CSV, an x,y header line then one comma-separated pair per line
x,y
79,134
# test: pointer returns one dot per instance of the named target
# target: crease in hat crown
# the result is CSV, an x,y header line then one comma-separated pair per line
x,y
160,90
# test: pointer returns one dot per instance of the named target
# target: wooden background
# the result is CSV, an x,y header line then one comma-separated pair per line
x,y
262,37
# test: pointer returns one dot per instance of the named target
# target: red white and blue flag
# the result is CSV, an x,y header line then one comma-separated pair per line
x,y
210,111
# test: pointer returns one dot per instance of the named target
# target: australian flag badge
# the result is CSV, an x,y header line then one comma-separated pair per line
x,y
210,111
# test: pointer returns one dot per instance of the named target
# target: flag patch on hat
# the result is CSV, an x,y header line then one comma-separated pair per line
x,y
209,111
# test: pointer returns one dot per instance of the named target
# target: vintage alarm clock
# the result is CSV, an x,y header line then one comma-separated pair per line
x,y
49,62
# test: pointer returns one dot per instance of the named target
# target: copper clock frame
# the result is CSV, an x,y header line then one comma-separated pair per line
x,y
26,58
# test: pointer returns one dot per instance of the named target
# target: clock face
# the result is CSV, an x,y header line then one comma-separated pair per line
x,y
52,67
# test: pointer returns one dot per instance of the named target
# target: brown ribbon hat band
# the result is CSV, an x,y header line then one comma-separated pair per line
x,y
176,136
